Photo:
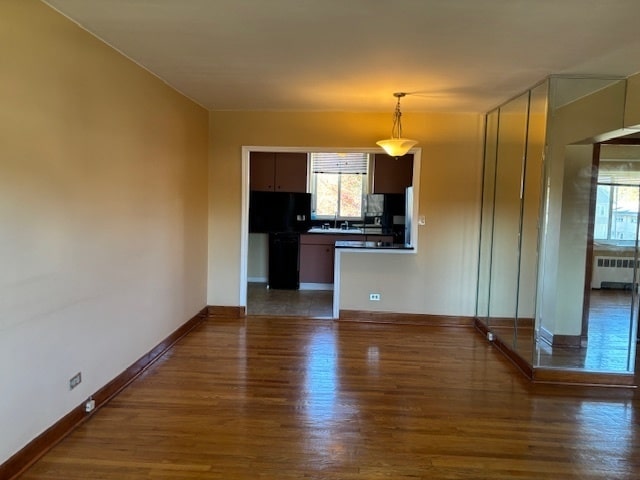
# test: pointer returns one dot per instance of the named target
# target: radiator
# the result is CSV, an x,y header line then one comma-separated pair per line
x,y
612,272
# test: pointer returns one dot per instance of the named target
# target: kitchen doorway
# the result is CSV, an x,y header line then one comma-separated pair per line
x,y
259,300
270,173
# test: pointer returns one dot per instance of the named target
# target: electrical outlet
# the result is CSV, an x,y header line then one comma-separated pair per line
x,y
89,405
75,381
374,297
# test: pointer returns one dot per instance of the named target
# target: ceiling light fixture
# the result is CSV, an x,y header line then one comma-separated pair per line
x,y
396,146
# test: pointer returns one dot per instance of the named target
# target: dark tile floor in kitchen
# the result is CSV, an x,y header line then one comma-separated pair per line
x,y
304,303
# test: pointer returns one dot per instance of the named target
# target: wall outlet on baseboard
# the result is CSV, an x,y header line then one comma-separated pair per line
x,y
374,297
89,405
75,380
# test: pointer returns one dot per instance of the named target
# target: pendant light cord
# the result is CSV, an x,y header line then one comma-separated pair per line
x,y
396,129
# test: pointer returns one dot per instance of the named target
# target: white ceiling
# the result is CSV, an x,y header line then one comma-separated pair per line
x,y
351,55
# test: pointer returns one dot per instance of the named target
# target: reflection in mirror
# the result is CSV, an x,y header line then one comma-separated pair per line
x,y
609,327
507,274
575,316
486,224
532,188
505,249
543,216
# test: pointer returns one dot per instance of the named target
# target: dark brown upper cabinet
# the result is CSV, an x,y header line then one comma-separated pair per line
x,y
392,175
278,171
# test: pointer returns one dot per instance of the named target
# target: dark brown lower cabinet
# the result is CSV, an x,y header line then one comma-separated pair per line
x,y
317,254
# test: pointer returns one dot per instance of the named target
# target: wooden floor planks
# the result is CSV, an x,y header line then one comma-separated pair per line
x,y
290,398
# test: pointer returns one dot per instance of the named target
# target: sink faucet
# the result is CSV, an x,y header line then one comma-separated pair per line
x,y
335,220
345,225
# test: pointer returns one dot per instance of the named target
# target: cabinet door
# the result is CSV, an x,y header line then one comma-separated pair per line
x,y
262,171
291,172
392,175
316,263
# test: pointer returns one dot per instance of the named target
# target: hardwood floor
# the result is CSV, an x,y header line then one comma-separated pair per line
x,y
290,398
611,345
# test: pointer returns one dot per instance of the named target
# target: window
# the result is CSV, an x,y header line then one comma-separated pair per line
x,y
617,202
338,184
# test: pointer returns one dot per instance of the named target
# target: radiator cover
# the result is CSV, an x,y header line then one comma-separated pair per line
x,y
613,272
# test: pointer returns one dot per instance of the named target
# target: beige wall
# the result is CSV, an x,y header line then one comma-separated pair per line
x,y
440,279
632,110
102,216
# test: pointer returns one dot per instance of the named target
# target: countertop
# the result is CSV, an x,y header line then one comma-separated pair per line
x,y
348,231
372,245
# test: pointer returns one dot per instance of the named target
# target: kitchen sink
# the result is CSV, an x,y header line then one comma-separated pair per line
x,y
335,230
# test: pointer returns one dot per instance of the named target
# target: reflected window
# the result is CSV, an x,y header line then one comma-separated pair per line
x,y
617,206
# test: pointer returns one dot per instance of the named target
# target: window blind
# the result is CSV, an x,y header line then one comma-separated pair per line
x,y
619,177
352,163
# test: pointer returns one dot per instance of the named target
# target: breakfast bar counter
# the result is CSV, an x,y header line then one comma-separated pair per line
x,y
374,245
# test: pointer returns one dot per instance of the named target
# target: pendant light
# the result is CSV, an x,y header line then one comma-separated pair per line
x,y
396,146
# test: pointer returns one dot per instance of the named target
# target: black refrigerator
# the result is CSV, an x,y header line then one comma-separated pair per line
x,y
283,215
279,212
284,260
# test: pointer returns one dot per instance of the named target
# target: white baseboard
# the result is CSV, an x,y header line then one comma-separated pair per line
x,y
257,279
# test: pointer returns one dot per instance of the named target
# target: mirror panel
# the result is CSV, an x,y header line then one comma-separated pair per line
x,y
531,206
609,323
486,224
565,340
506,222
537,248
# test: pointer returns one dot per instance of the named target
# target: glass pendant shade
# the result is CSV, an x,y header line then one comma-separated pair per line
x,y
396,146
